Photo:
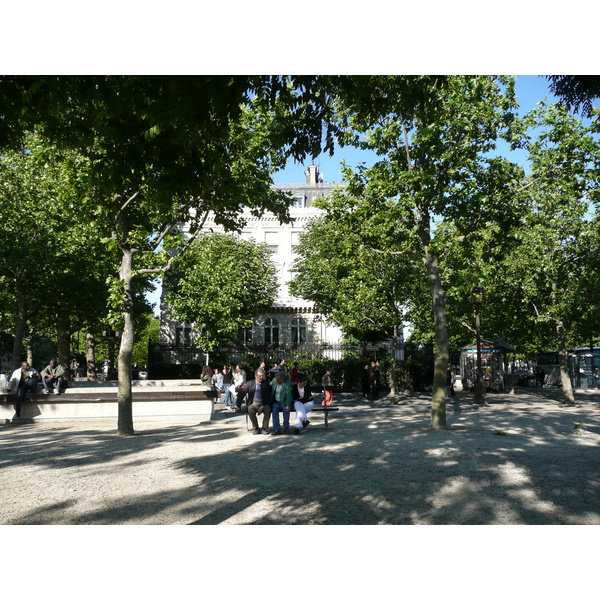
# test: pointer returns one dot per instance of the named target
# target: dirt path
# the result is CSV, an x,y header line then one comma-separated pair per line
x,y
517,462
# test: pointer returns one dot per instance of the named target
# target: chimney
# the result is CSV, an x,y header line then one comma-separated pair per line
x,y
312,175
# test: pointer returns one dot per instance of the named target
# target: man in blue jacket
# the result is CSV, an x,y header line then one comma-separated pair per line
x,y
259,401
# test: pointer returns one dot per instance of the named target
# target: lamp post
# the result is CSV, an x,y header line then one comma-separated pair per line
x,y
479,382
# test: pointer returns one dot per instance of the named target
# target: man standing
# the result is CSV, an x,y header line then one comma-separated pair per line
x,y
23,379
295,374
52,376
259,401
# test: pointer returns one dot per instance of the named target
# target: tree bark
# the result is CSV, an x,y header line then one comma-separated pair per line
x,y
442,346
64,342
392,381
125,418
20,327
568,397
90,355
29,349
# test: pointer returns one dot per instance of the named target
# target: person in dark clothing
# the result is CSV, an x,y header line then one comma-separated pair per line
x,y
259,402
365,382
374,380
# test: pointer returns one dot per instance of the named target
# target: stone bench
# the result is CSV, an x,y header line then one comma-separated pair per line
x,y
160,400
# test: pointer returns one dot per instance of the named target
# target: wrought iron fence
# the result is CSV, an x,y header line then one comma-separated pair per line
x,y
163,354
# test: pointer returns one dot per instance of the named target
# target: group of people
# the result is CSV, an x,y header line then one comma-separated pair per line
x,y
271,393
25,379
276,398
224,381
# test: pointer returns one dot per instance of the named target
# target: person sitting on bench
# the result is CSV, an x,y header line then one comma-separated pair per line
x,y
259,401
303,403
52,376
24,379
281,392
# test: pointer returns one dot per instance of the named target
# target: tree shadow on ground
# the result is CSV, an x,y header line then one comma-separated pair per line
x,y
491,466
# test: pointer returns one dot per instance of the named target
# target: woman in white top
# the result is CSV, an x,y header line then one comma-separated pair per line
x,y
239,378
303,403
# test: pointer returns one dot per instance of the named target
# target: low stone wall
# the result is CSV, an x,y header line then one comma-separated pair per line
x,y
166,400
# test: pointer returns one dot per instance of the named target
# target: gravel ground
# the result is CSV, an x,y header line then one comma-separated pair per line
x,y
518,461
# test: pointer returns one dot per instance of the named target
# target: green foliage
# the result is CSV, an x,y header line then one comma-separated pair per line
x,y
576,91
148,331
52,256
221,283
183,371
410,376
545,273
341,271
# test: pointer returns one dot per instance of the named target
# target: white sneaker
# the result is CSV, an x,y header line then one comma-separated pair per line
x,y
46,392
56,392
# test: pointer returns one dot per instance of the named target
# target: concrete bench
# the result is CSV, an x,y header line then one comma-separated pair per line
x,y
160,400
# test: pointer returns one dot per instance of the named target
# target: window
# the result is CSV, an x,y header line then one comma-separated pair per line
x,y
299,200
272,240
298,331
182,336
295,238
271,331
245,335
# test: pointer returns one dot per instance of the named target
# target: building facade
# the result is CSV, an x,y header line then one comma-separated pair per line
x,y
292,321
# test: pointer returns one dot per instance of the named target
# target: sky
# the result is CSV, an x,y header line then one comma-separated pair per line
x,y
531,89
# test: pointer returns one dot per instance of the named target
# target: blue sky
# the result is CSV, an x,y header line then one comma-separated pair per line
x,y
531,89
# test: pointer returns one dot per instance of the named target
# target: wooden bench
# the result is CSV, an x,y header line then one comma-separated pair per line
x,y
324,409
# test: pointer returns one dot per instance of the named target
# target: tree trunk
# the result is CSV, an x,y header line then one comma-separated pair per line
x,y
29,348
90,355
442,346
568,397
125,419
20,327
64,342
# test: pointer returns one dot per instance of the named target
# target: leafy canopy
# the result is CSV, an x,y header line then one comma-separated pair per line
x,y
220,284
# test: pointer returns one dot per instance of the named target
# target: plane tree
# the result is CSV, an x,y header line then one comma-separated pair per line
x,y
52,258
558,240
538,275
164,150
436,139
220,284
342,268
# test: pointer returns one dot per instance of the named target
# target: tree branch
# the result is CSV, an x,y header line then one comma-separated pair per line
x,y
127,202
527,185
169,263
381,251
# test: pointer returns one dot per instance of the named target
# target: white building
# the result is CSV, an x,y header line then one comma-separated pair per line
x,y
292,321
